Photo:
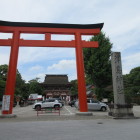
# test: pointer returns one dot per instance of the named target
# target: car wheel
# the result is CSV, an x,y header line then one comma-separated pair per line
x,y
57,106
38,108
103,108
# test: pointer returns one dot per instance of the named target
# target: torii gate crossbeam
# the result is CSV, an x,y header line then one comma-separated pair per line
x,y
16,28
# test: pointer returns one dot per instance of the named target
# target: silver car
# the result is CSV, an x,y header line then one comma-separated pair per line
x,y
49,103
94,105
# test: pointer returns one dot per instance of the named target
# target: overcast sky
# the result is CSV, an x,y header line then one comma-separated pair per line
x,y
121,20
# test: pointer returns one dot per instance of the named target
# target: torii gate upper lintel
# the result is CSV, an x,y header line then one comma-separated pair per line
x,y
16,28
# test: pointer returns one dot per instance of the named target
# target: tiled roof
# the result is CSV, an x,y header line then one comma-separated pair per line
x,y
56,79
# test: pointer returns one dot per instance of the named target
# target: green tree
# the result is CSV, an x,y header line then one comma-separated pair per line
x,y
74,89
98,65
132,84
34,86
21,89
2,87
3,72
3,77
20,83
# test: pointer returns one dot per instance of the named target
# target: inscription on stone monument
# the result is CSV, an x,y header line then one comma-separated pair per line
x,y
118,88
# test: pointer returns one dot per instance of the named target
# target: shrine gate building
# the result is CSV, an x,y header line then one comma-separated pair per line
x,y
56,86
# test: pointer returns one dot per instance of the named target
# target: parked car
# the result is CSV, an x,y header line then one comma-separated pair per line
x,y
49,103
60,101
72,103
93,105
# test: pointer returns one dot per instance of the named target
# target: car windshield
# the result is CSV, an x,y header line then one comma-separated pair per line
x,y
51,100
44,101
95,101
92,101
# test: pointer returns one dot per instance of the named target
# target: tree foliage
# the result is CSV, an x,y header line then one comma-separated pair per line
x,y
3,72
2,87
98,65
74,88
3,77
20,83
132,84
22,88
34,86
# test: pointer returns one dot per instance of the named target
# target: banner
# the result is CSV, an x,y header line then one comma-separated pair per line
x,y
6,103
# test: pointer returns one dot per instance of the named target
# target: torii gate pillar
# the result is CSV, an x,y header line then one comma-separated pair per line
x,y
11,78
80,75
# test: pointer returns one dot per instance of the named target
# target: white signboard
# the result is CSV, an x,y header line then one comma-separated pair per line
x,y
6,102
33,96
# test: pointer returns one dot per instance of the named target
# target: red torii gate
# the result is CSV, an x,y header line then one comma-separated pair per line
x,y
16,28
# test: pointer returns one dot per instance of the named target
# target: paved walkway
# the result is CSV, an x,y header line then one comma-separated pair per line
x,y
67,126
97,129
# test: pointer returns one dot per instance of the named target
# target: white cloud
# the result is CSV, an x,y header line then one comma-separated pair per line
x,y
41,76
5,35
63,65
130,62
29,54
4,59
36,68
73,76
4,55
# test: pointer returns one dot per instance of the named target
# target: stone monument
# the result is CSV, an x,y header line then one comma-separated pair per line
x,y
119,109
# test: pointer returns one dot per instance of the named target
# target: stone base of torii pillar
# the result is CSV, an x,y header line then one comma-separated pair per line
x,y
8,116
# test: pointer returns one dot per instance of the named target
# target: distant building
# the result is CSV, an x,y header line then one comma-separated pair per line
x,y
35,96
57,86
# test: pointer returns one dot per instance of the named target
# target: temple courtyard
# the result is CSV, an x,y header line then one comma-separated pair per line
x,y
66,113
